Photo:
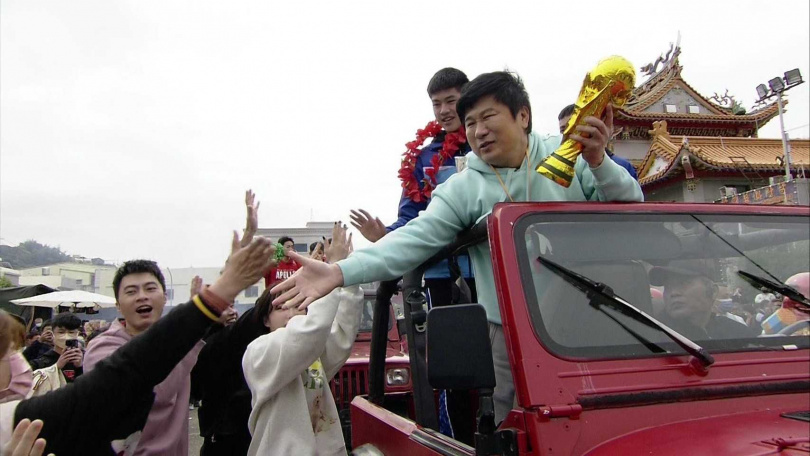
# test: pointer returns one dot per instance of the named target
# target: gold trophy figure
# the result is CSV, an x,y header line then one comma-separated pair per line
x,y
611,81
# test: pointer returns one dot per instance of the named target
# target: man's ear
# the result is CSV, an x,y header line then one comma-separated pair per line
x,y
523,117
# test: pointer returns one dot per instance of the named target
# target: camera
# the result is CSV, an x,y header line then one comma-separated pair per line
x,y
72,343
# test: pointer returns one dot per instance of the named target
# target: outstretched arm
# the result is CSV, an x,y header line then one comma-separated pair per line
x,y
115,398
252,222
398,252
344,330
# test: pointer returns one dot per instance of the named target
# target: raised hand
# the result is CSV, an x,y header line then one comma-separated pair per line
x,y
370,227
244,267
196,285
340,247
315,279
318,252
24,441
594,137
252,222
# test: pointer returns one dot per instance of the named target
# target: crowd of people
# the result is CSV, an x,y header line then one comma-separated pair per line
x,y
262,378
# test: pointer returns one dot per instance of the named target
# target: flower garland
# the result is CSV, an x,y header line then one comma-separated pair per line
x,y
452,143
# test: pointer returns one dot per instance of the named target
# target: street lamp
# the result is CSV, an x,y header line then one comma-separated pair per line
x,y
171,287
777,87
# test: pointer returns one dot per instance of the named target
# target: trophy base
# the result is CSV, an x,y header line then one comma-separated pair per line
x,y
558,169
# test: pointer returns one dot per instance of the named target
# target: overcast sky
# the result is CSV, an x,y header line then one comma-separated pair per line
x,y
132,128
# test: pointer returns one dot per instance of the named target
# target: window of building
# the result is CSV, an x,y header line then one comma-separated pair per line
x,y
301,248
694,109
252,292
670,108
170,294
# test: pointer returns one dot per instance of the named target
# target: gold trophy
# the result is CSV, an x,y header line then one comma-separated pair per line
x,y
611,81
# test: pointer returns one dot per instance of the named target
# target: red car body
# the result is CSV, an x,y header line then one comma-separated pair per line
x,y
352,379
659,405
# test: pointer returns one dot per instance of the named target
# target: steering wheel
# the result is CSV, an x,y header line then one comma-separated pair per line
x,y
794,328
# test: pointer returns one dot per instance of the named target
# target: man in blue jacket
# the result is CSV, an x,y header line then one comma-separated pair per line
x,y
444,90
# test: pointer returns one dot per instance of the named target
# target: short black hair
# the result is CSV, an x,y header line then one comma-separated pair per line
x,y
566,111
313,246
137,267
283,239
46,323
264,305
67,320
505,87
447,78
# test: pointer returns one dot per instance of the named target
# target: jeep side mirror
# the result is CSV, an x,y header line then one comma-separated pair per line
x,y
459,354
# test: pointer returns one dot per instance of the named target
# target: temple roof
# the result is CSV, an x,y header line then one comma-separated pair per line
x,y
647,101
673,156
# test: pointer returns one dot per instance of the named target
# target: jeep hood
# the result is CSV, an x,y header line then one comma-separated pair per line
x,y
750,433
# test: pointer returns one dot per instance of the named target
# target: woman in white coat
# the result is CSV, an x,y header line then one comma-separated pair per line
x,y
288,370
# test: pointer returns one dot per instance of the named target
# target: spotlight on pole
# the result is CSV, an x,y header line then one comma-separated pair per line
x,y
793,77
762,91
776,84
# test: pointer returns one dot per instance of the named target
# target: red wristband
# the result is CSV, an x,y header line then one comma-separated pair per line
x,y
217,304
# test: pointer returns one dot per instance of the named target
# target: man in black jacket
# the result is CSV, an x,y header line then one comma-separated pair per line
x,y
689,297
218,380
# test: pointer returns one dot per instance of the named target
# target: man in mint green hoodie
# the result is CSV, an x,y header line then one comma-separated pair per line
x,y
496,113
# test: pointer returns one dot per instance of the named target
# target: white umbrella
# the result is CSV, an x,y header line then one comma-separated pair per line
x,y
76,298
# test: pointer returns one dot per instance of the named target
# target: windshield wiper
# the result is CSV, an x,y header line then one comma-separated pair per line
x,y
782,289
599,293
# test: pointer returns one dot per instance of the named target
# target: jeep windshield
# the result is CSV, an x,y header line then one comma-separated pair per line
x,y
680,268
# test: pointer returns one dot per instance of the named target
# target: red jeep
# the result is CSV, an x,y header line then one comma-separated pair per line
x,y
353,378
599,366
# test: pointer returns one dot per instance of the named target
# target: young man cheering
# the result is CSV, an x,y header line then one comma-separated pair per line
x,y
497,117
140,294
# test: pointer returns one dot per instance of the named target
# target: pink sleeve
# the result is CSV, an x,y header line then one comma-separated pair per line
x,y
99,349
21,376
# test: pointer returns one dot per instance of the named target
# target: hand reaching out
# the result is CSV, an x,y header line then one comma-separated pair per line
x,y
370,227
318,252
24,441
340,247
252,222
244,267
196,285
315,279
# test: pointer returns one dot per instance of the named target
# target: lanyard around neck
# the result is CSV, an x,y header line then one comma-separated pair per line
x,y
528,182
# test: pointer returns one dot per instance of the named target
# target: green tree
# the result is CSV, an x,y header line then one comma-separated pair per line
x,y
30,254
5,283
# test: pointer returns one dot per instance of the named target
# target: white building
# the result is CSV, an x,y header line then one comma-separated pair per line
x,y
66,276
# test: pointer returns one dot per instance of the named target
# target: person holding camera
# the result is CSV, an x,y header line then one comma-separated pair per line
x,y
65,353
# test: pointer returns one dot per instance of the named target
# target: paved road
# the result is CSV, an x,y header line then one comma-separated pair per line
x,y
194,440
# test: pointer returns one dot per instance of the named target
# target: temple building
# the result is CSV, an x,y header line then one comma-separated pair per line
x,y
687,147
